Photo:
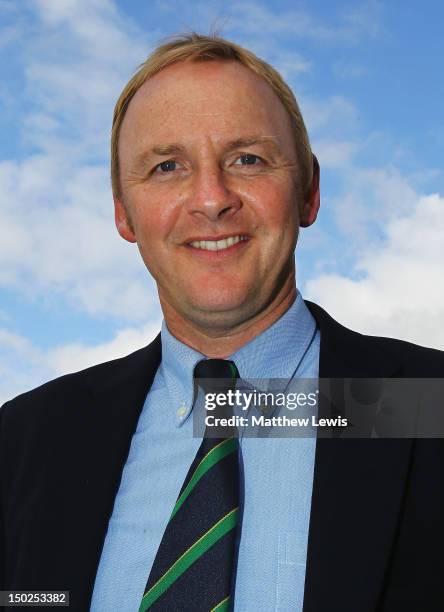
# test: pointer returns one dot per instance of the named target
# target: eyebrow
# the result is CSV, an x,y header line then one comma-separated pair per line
x,y
167,149
253,140
160,150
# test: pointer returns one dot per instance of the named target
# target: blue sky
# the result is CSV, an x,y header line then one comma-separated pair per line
x,y
368,76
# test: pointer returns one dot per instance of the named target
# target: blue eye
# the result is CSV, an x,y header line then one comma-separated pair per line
x,y
167,166
248,159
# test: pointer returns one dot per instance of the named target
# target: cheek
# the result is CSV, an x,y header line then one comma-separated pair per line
x,y
155,216
279,214
282,230
287,216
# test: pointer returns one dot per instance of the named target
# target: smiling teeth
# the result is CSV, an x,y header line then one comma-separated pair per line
x,y
217,245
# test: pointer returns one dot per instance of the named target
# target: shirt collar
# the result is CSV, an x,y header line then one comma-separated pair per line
x,y
278,351
177,369
275,353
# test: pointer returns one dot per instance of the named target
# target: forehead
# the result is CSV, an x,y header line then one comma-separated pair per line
x,y
216,98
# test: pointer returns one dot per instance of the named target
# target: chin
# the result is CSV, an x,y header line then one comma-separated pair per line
x,y
219,301
220,314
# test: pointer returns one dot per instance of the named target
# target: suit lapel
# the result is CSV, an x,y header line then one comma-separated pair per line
x,y
106,428
357,490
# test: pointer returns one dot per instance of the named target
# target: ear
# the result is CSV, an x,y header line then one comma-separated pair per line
x,y
123,223
310,208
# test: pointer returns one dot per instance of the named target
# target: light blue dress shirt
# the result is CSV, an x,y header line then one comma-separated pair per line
x,y
278,478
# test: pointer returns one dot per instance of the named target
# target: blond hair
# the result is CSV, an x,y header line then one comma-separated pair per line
x,y
197,47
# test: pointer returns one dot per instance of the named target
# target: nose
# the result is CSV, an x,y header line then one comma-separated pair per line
x,y
211,196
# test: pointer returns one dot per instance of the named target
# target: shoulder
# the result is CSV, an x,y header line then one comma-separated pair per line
x,y
46,428
57,397
415,360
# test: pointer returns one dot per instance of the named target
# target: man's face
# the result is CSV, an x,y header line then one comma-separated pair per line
x,y
211,191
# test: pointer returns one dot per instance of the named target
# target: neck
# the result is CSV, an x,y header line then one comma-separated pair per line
x,y
222,343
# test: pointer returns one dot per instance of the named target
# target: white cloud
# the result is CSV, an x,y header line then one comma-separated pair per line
x,y
19,345
288,63
21,365
58,235
371,198
78,57
399,292
334,113
334,154
76,356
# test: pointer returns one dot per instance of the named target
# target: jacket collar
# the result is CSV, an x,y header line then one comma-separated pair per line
x,y
349,354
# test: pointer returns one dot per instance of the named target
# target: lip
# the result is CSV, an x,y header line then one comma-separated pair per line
x,y
216,237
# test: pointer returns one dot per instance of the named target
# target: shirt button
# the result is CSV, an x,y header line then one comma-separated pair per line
x,y
182,411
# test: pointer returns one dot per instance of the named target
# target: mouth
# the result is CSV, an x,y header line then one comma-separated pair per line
x,y
219,244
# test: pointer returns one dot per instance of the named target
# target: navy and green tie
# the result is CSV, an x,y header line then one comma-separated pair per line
x,y
195,565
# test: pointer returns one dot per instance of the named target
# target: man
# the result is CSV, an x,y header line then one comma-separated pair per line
x,y
212,177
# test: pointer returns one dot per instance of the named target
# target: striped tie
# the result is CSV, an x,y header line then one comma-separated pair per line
x,y
195,565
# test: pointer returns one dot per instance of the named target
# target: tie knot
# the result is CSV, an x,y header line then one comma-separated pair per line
x,y
216,368
216,375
